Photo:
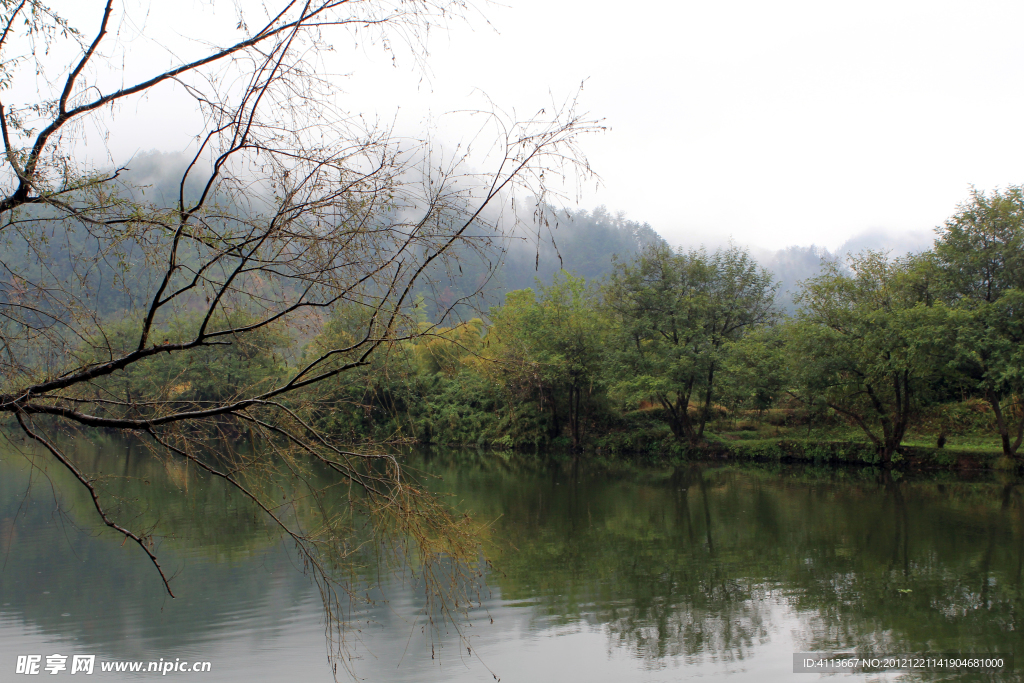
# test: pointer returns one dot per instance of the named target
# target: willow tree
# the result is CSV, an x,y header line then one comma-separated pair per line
x,y
289,206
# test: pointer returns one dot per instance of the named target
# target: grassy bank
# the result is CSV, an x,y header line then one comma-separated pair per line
x,y
968,441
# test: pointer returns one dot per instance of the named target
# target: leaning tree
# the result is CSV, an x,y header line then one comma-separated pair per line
x,y
287,208
979,255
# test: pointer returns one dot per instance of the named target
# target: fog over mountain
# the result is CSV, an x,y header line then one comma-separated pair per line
x,y
585,243
896,243
582,241
790,266
793,264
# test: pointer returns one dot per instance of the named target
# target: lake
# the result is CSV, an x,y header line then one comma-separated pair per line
x,y
710,571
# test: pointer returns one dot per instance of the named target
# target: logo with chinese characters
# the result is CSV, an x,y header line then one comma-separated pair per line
x,y
55,663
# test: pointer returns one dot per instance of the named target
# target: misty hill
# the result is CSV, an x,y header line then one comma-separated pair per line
x,y
897,244
790,266
582,242
794,264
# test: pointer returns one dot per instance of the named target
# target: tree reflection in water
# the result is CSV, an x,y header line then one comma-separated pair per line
x,y
692,564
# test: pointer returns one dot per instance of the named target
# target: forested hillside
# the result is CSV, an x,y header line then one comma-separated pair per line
x,y
580,242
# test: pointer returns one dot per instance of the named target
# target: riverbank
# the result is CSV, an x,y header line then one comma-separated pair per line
x,y
788,448
783,436
965,430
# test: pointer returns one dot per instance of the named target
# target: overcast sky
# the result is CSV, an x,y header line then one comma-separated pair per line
x,y
771,123
784,122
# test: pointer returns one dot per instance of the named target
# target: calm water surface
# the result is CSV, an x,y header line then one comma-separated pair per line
x,y
710,572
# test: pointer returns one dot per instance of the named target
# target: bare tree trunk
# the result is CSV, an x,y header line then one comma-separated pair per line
x,y
679,419
706,409
1009,448
574,416
556,426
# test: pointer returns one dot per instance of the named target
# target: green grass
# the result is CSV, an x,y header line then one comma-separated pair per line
x,y
835,443
976,441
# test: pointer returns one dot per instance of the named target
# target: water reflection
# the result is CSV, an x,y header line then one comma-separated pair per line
x,y
711,571
694,562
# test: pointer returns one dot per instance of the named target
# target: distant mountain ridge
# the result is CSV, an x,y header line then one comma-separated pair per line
x,y
587,241
582,242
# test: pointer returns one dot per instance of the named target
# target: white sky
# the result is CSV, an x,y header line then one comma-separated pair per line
x,y
776,123
771,123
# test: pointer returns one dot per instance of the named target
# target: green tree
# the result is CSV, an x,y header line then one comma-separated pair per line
x,y
871,343
444,349
756,372
673,315
980,248
212,376
979,255
551,347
